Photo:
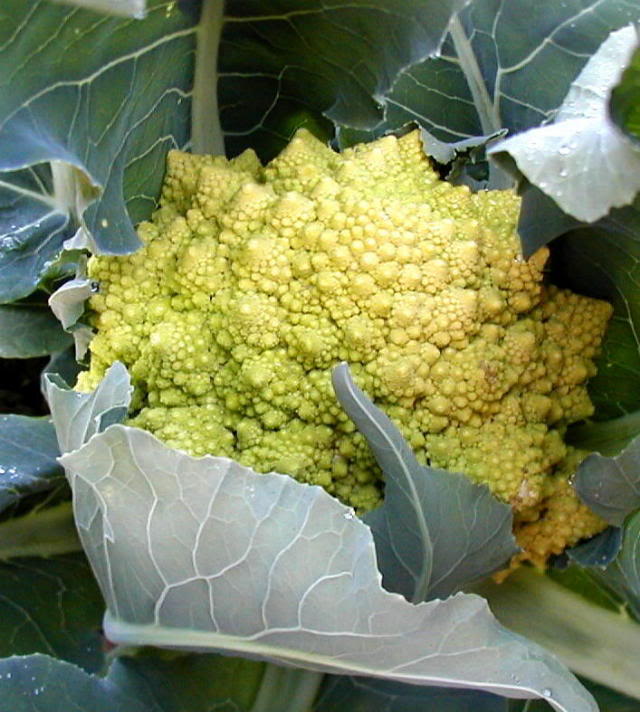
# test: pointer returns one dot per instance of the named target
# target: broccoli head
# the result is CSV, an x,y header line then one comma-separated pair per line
x,y
254,282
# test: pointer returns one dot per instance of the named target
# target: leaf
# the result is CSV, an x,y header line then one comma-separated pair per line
x,y
203,683
30,330
488,76
624,102
587,584
541,220
272,52
51,606
436,530
581,160
173,539
68,302
609,437
78,416
100,120
64,365
28,452
599,551
623,575
610,486
345,694
32,227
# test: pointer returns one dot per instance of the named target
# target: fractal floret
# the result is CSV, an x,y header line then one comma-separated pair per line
x,y
254,282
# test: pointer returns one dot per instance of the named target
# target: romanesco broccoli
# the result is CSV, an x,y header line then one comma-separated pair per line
x,y
254,282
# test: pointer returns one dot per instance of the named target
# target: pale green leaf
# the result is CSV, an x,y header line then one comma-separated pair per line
x,y
581,160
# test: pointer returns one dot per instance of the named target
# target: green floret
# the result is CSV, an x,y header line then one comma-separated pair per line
x,y
254,282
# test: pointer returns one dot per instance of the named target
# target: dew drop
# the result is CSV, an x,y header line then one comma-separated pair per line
x,y
546,692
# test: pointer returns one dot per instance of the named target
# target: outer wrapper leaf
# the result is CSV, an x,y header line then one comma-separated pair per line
x,y
205,554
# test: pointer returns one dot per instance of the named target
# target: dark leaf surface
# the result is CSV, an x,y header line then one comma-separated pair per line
x,y
28,452
30,330
51,606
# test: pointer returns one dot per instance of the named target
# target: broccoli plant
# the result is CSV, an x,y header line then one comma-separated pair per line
x,y
339,305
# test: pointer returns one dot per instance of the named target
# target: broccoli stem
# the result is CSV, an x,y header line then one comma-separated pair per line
x,y
293,689
206,132
598,644
45,532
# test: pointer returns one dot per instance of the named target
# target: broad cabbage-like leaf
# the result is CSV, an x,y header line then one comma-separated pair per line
x,y
98,121
486,77
599,551
599,644
205,554
610,486
436,530
283,66
582,160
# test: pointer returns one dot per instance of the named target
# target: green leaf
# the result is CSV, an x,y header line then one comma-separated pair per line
x,y
149,683
114,99
30,330
624,102
581,160
610,486
353,694
609,437
599,551
28,452
488,76
172,539
623,575
51,606
587,584
64,366
541,220
436,530
271,53
78,416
